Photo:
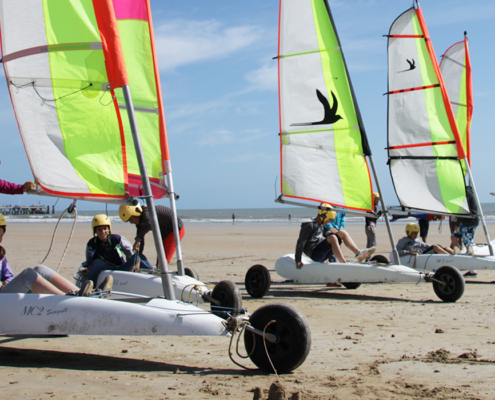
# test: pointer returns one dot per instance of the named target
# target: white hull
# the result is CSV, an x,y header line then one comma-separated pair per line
x,y
463,262
33,314
185,288
314,272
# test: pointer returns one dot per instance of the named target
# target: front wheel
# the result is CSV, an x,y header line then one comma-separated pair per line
x,y
454,284
294,338
379,259
229,296
351,285
191,272
257,281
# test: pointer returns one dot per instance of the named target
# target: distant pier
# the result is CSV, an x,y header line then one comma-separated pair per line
x,y
24,210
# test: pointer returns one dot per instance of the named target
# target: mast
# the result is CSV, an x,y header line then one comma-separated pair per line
x,y
165,274
367,150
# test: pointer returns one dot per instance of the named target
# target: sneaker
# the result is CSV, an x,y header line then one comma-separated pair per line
x,y
470,250
107,284
457,250
86,289
335,285
365,253
471,274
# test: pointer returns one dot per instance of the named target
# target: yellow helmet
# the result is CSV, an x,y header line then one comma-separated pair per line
x,y
376,195
101,220
325,212
411,227
3,222
126,212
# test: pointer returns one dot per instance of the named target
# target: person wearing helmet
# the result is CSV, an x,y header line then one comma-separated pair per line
x,y
108,251
40,279
370,223
335,227
139,216
410,244
312,241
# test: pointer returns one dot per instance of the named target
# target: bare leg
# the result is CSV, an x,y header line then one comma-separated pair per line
x,y
334,244
42,286
63,284
349,243
440,250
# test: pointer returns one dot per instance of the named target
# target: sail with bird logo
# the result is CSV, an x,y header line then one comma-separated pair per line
x,y
424,146
456,71
323,143
69,107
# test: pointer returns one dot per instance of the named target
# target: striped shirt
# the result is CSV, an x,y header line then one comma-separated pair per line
x,y
164,215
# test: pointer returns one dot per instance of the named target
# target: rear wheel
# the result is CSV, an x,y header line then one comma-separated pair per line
x,y
229,296
351,285
454,284
257,281
191,272
380,259
294,338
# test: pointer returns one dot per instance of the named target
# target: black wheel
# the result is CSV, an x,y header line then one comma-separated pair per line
x,y
454,288
380,259
257,281
294,338
351,285
191,272
229,296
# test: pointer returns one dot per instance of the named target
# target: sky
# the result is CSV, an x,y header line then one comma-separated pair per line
x,y
219,86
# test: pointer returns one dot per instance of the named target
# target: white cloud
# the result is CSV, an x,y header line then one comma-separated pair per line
x,y
264,78
217,138
183,42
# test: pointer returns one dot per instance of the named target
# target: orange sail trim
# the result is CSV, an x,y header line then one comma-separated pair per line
x,y
112,48
163,129
469,100
445,96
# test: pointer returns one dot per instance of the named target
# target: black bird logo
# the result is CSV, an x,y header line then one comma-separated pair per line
x,y
412,65
330,116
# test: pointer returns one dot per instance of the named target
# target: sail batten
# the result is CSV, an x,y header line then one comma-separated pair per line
x,y
423,141
65,64
323,144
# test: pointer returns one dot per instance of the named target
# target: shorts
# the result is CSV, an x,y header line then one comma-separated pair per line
x,y
323,252
338,237
428,250
424,226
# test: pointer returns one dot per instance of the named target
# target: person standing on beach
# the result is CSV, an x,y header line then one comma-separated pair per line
x,y
233,218
370,224
139,216
39,280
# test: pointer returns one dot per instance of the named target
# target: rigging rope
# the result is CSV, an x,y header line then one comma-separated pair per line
x,y
68,241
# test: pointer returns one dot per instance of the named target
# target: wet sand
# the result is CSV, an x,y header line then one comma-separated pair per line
x,y
387,341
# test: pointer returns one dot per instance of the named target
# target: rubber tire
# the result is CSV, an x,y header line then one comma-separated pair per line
x,y
455,284
351,285
230,299
257,281
380,259
295,338
191,272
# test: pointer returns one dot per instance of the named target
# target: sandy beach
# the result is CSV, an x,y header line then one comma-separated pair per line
x,y
382,341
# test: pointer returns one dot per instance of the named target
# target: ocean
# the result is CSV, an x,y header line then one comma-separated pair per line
x,y
268,216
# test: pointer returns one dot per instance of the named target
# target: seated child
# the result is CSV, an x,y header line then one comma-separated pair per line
x,y
410,244
39,280
106,251
335,227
